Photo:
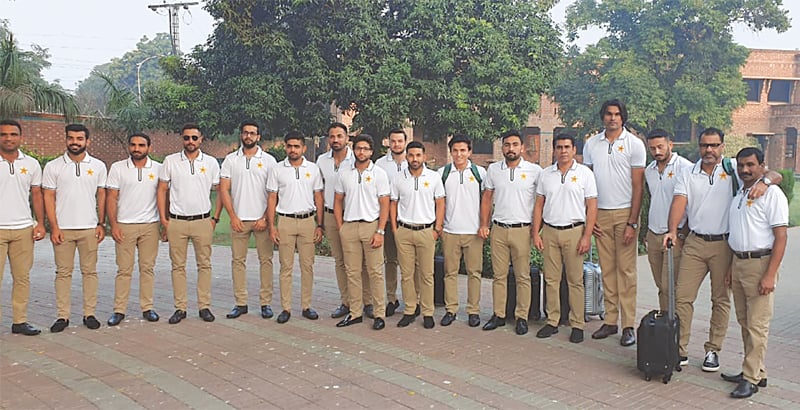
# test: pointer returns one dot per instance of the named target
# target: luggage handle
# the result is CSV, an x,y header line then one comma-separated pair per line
x,y
671,278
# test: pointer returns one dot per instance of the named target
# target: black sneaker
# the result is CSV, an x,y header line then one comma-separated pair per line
x,y
546,331
576,336
391,307
59,325
91,322
711,362
428,322
406,320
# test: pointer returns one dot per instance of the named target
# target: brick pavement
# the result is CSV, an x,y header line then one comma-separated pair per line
x,y
255,363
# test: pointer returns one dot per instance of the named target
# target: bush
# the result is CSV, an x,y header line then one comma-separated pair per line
x,y
787,185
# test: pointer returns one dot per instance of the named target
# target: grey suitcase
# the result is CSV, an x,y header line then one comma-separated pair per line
x,y
593,286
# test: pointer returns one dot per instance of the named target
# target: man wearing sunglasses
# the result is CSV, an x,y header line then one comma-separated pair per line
x,y
185,183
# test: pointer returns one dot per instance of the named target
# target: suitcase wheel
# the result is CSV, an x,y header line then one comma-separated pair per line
x,y
647,377
667,378
602,316
586,318
678,367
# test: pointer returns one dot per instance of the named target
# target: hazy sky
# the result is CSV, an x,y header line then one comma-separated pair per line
x,y
81,34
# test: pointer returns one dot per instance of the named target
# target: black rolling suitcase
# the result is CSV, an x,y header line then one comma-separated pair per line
x,y
438,281
658,335
536,311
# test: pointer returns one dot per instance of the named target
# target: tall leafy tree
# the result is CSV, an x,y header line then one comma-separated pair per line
x,y
674,62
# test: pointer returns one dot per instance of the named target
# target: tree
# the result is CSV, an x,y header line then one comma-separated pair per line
x,y
673,62
22,88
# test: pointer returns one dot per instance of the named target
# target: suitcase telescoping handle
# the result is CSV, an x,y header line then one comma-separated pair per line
x,y
671,278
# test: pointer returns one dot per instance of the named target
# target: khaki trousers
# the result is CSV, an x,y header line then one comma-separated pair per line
x,y
390,265
17,245
296,234
511,245
753,312
201,233
265,249
698,258
561,250
335,241
471,247
86,243
618,262
657,256
415,251
356,238
145,237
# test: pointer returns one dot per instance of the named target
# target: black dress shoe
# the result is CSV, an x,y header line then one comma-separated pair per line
x,y
284,316
522,327
738,378
310,314
115,319
206,315
628,337
417,311
24,328
576,336
406,320
378,324
392,307
368,311
59,325
448,319
494,323
91,322
546,331
474,320
350,320
744,390
266,311
605,331
340,311
177,317
428,322
150,315
237,311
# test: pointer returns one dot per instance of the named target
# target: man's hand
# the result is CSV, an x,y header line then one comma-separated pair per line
x,y
483,232
260,225
758,190
629,236
766,285
584,244
56,236
669,237
273,234
116,234
236,224
596,231
538,243
377,240
318,232
38,232
100,233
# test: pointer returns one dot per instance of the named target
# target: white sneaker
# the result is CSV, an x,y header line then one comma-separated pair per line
x,y
684,361
711,362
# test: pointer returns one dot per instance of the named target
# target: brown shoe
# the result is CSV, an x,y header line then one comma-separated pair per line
x,y
605,331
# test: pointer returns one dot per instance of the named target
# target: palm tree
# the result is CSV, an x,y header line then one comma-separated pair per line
x,y
22,88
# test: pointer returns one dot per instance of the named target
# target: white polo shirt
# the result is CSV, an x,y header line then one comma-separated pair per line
x,y
330,172
514,190
709,198
463,206
361,192
752,220
190,182
416,196
566,194
137,188
76,185
295,186
612,164
16,180
662,187
248,178
392,168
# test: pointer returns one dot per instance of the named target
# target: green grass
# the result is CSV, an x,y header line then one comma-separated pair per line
x,y
794,207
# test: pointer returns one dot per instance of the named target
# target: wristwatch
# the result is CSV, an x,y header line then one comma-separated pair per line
x,y
380,232
766,180
215,219
634,225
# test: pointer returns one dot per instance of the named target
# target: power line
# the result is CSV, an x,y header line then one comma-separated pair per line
x,y
174,20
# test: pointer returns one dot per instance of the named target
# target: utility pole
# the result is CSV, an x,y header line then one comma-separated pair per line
x,y
174,21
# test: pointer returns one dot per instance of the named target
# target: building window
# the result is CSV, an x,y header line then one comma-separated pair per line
x,y
780,91
482,146
754,89
791,142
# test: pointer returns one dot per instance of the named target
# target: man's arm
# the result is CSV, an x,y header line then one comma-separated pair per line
x,y
767,283
338,209
585,244
319,202
100,230
438,225
377,238
112,196
760,188
37,202
272,203
56,236
676,211
536,226
393,215
224,196
161,200
486,213
637,178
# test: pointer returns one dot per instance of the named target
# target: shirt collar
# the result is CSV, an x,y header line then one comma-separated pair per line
x,y
572,167
621,136
147,164
200,156
389,158
671,162
504,165
86,158
259,152
20,155
286,162
347,156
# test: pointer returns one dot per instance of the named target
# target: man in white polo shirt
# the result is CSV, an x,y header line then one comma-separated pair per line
x,y
617,159
758,240
511,186
417,215
243,189
20,179
566,204
295,195
74,187
133,215
361,208
393,163
185,184
666,168
463,184
704,195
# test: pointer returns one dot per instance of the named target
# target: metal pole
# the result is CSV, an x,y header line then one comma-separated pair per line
x,y
138,75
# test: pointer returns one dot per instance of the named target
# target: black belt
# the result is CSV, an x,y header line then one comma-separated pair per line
x,y
565,227
190,217
329,210
415,227
519,225
299,216
712,238
753,254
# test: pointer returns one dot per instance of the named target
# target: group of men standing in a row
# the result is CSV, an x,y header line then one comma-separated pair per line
x,y
391,212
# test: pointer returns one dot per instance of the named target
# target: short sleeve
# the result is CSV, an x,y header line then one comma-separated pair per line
x,y
272,180
382,180
589,185
102,175
638,154
777,207
587,152
215,172
395,194
682,183
50,175
113,180
166,169
227,165
338,187
482,173
438,189
318,184
487,182
36,174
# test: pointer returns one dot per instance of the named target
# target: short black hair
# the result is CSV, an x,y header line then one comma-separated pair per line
x,y
713,131
511,133
748,151
77,128
623,111
415,144
563,136
659,133
294,135
191,126
364,138
398,131
139,134
459,138
250,123
13,123
337,125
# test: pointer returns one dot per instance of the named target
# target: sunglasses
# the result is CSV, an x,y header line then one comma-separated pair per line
x,y
193,137
713,145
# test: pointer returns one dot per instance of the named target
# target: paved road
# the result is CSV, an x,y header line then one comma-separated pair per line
x,y
255,363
